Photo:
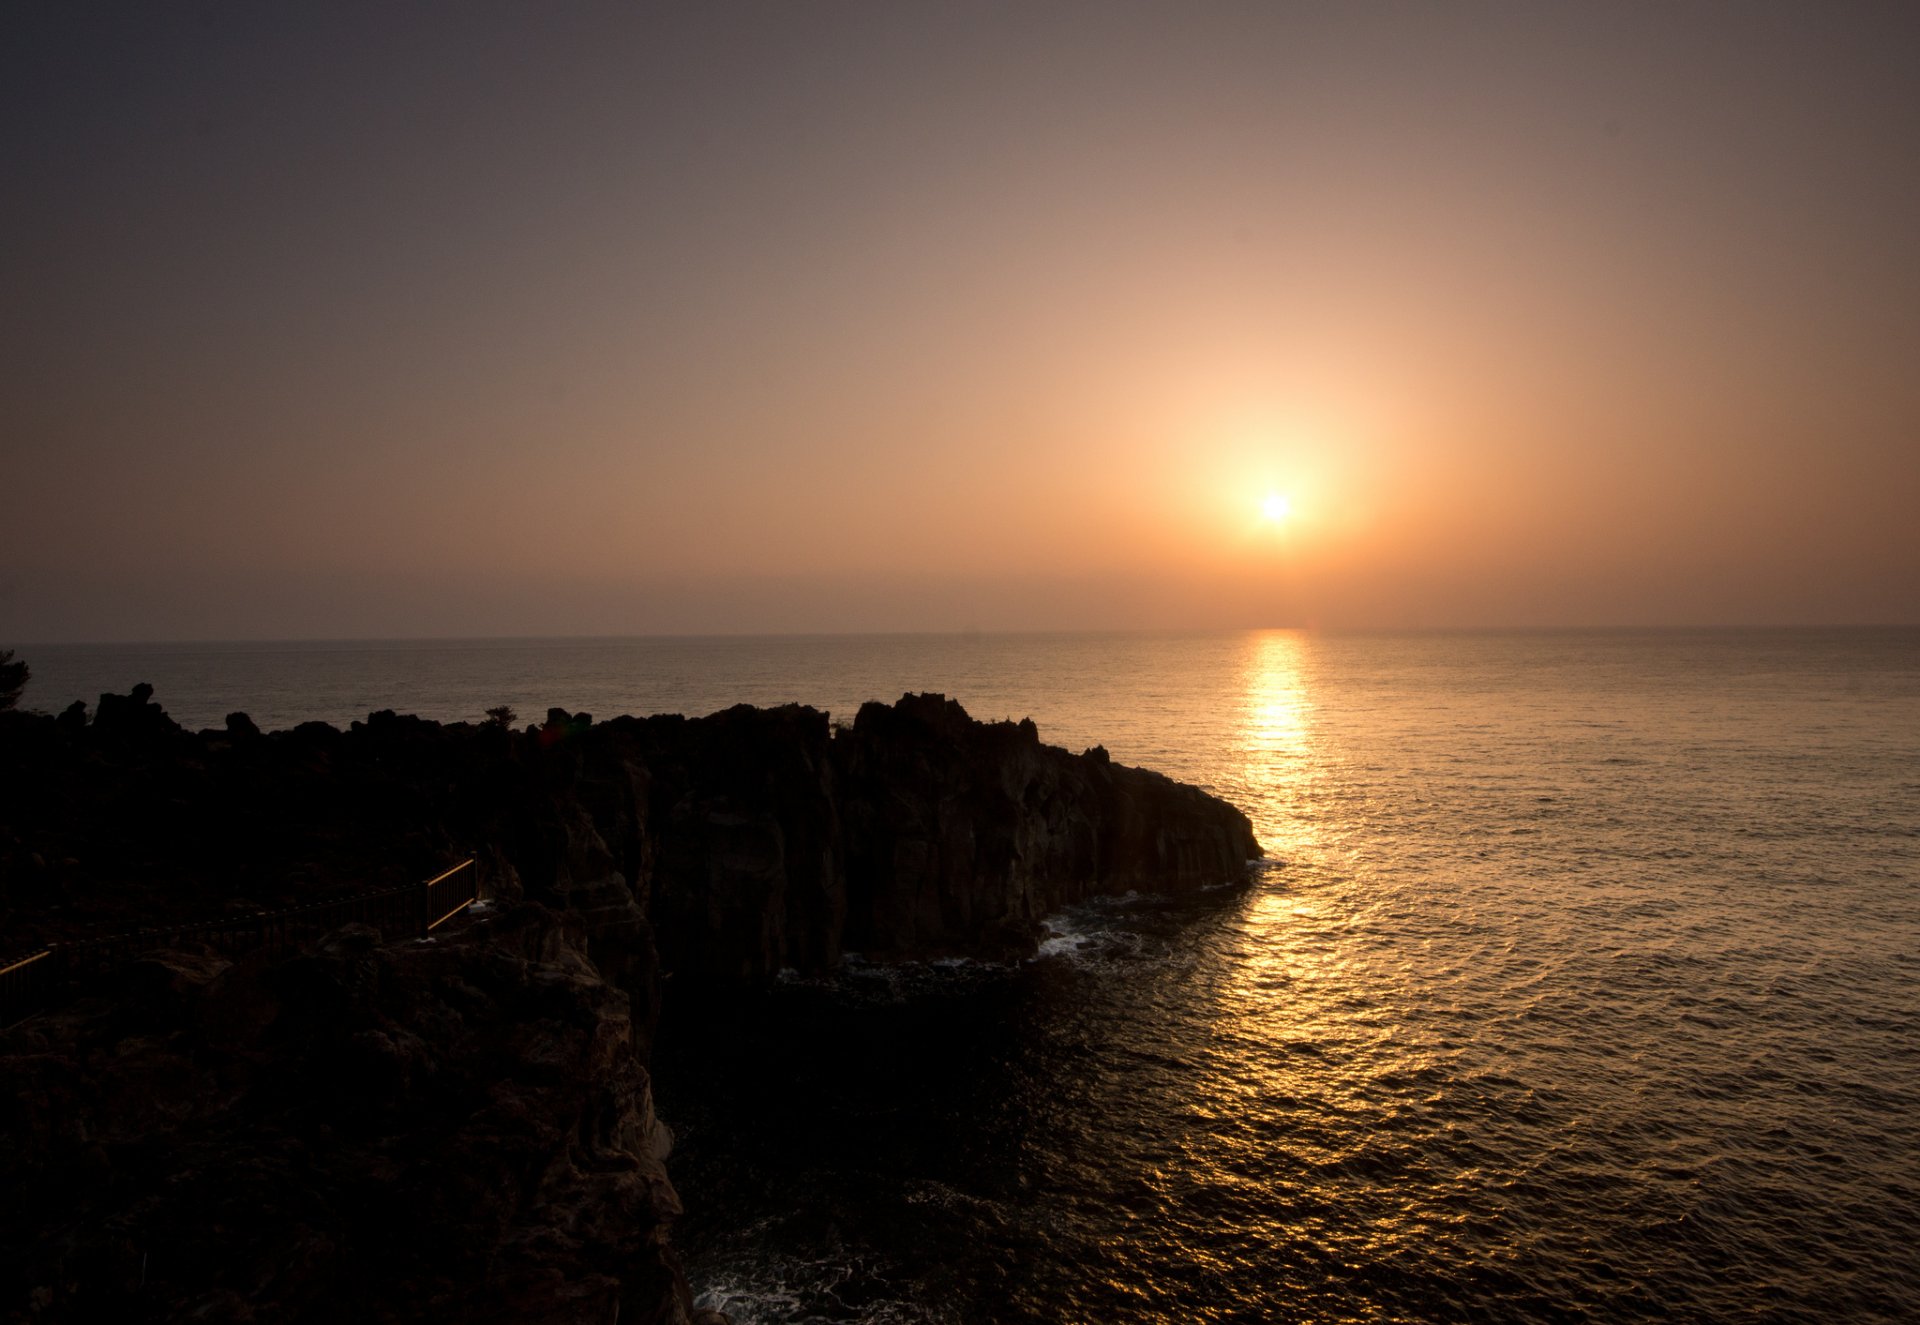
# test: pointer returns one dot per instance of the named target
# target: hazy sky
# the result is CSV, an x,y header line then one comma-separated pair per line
x,y
406,319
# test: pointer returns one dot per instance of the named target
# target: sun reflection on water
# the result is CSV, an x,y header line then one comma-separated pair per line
x,y
1299,1030
1277,757
1276,738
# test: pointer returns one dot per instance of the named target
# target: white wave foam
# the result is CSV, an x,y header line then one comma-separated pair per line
x,y
762,1290
1066,937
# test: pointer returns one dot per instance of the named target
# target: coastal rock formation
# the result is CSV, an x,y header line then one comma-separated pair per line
x,y
915,832
961,836
739,844
448,1130
463,1128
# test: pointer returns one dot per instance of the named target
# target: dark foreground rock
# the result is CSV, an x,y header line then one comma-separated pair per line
x,y
463,1129
453,1130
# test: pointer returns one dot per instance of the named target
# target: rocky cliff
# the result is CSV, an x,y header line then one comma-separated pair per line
x,y
464,1127
914,832
454,1130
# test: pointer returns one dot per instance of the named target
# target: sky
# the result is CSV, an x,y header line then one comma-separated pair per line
x,y
396,320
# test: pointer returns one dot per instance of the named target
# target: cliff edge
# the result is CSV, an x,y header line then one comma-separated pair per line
x,y
463,1127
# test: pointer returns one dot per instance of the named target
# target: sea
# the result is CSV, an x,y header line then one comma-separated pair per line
x,y
1579,979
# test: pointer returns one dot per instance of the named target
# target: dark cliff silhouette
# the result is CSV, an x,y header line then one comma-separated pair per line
x,y
405,1130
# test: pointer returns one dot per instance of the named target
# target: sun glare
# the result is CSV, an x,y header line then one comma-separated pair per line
x,y
1276,507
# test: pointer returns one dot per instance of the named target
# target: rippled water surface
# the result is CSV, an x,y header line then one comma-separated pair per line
x,y
1582,980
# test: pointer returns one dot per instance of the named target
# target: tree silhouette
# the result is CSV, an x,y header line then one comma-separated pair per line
x,y
13,679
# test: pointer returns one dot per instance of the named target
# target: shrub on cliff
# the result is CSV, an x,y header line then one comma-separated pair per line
x,y
13,679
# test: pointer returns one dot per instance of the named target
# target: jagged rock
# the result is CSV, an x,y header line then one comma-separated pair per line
x,y
464,1128
962,835
399,1132
735,844
133,718
916,832
748,872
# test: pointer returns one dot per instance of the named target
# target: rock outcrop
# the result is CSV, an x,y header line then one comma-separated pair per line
x,y
960,836
463,1128
453,1130
914,832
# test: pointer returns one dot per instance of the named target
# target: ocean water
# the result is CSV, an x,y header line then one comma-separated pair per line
x,y
1581,980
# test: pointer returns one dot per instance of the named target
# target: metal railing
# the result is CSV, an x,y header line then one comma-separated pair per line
x,y
445,896
38,980
21,986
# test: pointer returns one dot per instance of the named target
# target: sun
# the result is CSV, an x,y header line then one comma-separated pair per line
x,y
1276,507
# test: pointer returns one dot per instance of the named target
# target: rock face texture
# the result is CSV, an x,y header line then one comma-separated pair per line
x,y
960,836
457,1130
915,832
463,1129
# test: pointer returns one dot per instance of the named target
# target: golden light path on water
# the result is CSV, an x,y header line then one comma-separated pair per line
x,y
1304,1022
1276,738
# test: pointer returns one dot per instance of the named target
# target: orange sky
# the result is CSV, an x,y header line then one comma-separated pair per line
x,y
842,317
